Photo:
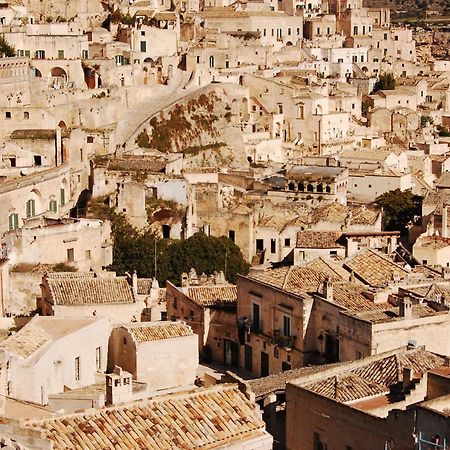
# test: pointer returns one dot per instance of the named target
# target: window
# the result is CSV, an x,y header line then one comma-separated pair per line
x,y
260,245
319,443
211,61
359,355
77,368
60,54
13,221
232,235
84,54
37,159
256,317
8,115
286,326
98,359
70,255
31,208
53,206
287,242
273,246
90,139
40,54
142,33
198,59
143,46
62,197
88,254
280,108
26,115
12,162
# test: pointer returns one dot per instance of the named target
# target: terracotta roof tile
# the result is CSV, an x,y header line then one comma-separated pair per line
x,y
206,418
328,267
72,291
347,388
318,239
375,269
376,377
26,341
211,295
147,332
296,280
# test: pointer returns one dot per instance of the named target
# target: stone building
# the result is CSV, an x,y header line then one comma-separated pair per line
x,y
82,243
52,353
370,403
293,316
208,305
78,294
164,355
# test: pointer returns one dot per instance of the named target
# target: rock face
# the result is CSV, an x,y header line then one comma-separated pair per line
x,y
203,127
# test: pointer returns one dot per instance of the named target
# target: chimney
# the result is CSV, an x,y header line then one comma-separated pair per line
x,y
328,289
444,221
119,386
405,308
184,280
407,377
446,273
134,284
154,291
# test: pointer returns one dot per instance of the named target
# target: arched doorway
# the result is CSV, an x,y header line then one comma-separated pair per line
x,y
58,78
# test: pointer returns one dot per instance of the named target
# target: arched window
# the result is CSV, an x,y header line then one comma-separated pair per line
x,y
319,187
355,30
310,188
26,115
291,186
301,186
211,61
328,189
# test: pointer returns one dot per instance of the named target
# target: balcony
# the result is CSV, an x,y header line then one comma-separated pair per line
x,y
286,342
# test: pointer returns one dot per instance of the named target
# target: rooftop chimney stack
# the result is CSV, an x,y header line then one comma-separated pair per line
x,y
405,308
444,221
328,289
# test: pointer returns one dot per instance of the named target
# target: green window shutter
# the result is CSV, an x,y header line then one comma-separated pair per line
x,y
11,221
16,220
62,198
28,212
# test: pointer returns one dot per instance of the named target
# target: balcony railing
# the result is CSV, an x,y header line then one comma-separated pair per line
x,y
283,341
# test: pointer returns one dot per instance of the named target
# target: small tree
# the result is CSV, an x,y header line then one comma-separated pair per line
x,y
399,209
5,48
386,82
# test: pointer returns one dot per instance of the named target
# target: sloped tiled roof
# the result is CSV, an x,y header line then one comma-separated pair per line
x,y
74,291
318,239
203,419
347,388
328,267
351,297
390,314
26,341
147,332
375,377
374,269
211,295
144,285
296,280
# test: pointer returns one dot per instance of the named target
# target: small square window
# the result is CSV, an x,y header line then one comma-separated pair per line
x,y
90,139
8,115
